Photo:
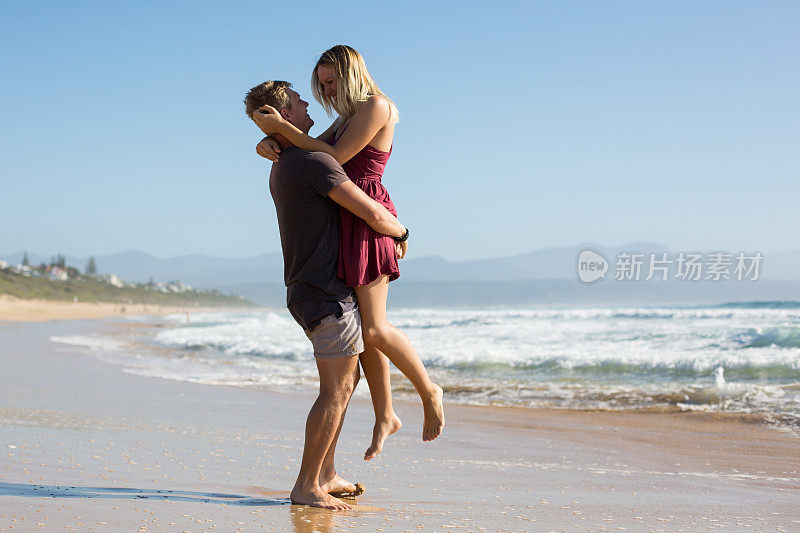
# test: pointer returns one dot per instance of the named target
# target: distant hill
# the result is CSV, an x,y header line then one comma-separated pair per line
x,y
543,264
93,289
547,263
196,270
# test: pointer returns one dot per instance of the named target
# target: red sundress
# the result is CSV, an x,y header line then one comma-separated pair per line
x,y
365,254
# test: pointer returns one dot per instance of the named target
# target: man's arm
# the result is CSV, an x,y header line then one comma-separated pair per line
x,y
348,195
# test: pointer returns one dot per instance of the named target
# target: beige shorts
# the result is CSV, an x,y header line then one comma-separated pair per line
x,y
337,337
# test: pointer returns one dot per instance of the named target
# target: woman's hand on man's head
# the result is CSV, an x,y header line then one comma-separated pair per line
x,y
268,119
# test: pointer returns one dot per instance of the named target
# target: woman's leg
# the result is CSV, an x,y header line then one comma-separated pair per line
x,y
392,342
376,370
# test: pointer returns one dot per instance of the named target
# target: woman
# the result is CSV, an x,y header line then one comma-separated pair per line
x,y
361,140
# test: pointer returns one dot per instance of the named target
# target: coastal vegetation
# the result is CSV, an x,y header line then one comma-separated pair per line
x,y
60,282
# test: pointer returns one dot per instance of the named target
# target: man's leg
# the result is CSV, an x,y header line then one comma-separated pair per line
x,y
336,385
329,480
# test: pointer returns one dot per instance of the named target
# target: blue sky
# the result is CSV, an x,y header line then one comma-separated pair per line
x,y
523,125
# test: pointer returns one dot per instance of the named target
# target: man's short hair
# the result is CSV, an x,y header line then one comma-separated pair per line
x,y
268,93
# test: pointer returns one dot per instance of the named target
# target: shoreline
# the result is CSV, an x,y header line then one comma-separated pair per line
x,y
14,309
90,446
405,392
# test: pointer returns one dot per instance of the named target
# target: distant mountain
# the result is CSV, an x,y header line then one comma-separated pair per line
x,y
548,263
783,265
545,264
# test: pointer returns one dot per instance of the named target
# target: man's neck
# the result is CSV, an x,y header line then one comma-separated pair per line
x,y
282,141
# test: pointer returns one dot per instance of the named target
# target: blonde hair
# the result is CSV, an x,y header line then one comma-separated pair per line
x,y
353,82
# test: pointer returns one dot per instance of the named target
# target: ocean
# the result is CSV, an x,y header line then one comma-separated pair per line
x,y
739,357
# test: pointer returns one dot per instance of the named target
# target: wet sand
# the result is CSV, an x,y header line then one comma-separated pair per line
x,y
84,445
20,310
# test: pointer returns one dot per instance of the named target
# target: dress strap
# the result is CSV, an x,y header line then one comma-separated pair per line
x,y
337,137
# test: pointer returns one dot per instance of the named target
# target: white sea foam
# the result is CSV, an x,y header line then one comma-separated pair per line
x,y
95,344
269,334
614,469
612,358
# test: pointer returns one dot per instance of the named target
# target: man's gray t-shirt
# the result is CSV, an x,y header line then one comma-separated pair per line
x,y
309,226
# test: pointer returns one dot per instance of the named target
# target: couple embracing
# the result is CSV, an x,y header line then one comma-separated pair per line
x,y
341,241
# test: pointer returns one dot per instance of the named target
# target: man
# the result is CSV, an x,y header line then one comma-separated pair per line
x,y
304,186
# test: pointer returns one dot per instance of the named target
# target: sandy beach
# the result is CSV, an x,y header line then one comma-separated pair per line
x,y
86,446
20,310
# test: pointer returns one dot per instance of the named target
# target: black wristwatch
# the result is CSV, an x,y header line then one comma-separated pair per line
x,y
403,238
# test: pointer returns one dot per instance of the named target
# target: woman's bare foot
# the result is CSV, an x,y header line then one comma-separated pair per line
x,y
434,414
337,485
382,429
318,498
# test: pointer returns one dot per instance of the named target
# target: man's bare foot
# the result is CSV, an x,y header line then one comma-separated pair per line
x,y
382,429
434,415
318,498
336,485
